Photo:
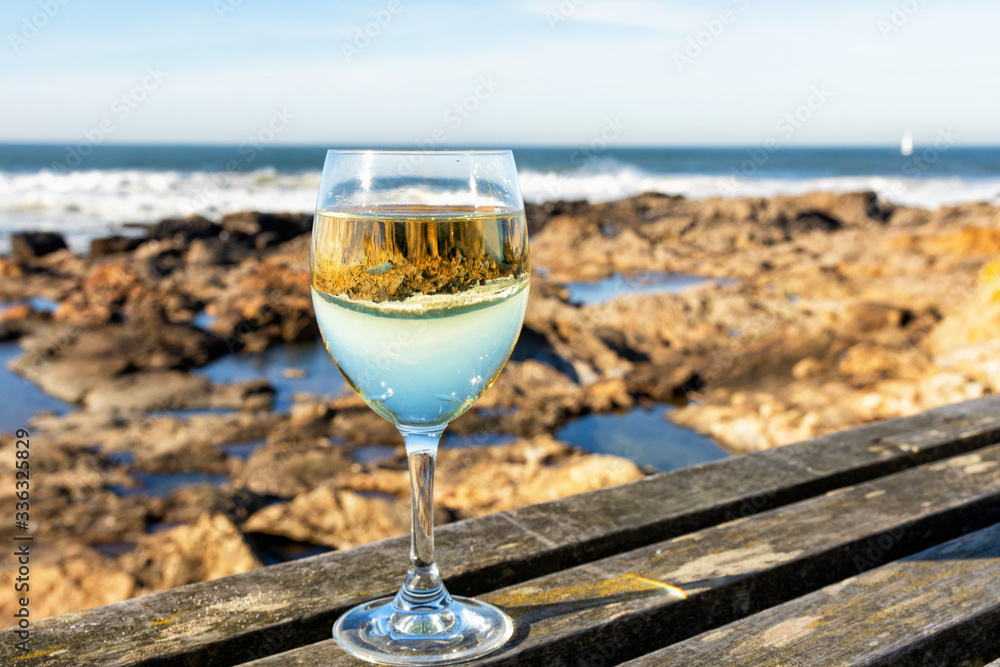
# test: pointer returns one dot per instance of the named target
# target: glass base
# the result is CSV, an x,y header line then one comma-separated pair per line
x,y
380,632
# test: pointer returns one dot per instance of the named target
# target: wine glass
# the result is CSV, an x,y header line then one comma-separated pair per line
x,y
419,282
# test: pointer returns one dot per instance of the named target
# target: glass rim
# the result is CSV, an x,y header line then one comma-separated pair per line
x,y
420,151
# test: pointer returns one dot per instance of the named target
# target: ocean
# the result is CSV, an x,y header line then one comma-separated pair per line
x,y
85,191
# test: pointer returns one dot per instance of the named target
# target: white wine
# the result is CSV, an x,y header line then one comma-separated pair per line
x,y
420,309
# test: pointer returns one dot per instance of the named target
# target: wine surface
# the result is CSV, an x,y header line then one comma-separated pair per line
x,y
420,308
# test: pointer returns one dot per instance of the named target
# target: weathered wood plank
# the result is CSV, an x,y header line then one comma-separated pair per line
x,y
938,607
236,619
965,426
624,606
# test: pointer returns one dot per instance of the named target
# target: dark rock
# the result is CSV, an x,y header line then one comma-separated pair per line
x,y
808,221
538,215
217,251
29,245
664,383
618,342
266,240
267,228
110,245
184,229
20,320
532,344
72,361
286,469
186,504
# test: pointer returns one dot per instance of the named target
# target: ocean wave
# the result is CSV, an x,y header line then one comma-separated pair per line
x,y
86,204
610,180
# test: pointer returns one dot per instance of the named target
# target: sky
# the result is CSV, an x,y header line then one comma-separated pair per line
x,y
548,72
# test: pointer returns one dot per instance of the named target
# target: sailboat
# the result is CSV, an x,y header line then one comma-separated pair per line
x,y
906,144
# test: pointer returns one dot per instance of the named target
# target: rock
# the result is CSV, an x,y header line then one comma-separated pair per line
x,y
357,508
854,208
866,363
474,482
175,390
27,246
212,548
946,387
608,395
71,361
808,221
663,382
975,319
9,268
76,501
188,503
268,228
808,367
335,517
269,302
20,320
183,229
865,316
216,251
70,578
110,245
287,469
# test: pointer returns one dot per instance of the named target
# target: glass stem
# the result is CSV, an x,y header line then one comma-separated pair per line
x,y
422,590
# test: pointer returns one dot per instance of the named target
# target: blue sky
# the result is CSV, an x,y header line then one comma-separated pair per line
x,y
532,72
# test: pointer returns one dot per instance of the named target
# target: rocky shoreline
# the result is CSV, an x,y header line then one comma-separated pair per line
x,y
826,311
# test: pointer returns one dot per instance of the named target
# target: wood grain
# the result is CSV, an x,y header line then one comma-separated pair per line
x,y
277,608
627,605
938,607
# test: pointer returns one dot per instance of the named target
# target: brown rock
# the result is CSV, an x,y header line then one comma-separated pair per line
x,y
287,469
864,317
210,549
27,246
70,361
280,226
185,229
173,390
866,363
808,367
976,320
69,578
608,395
335,517
10,268
110,245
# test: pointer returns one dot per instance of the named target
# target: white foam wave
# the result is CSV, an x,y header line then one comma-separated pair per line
x,y
609,182
86,204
